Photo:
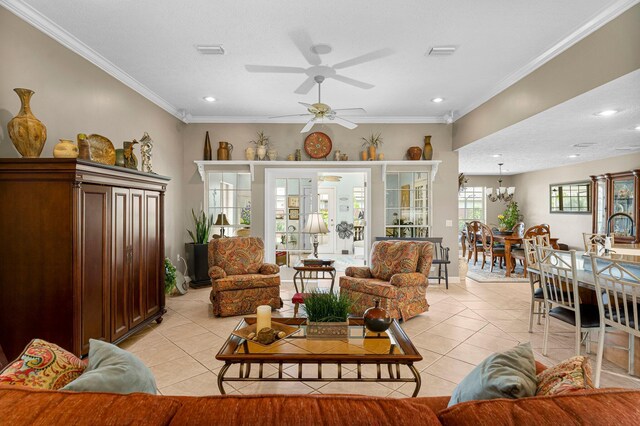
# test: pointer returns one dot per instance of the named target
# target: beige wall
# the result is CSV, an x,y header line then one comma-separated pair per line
x,y
287,137
73,96
532,194
610,52
493,209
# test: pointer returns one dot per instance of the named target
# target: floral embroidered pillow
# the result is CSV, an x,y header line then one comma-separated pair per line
x,y
570,375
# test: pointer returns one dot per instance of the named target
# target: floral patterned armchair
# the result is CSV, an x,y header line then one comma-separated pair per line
x,y
240,279
397,277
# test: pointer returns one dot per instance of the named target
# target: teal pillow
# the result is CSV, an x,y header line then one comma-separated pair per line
x,y
509,374
114,370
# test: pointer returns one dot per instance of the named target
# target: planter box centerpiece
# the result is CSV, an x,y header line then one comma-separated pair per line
x,y
327,315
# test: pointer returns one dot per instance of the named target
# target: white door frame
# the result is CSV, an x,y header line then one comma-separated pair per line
x,y
333,208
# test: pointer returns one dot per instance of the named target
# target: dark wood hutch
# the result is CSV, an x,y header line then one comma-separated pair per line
x,y
81,252
616,193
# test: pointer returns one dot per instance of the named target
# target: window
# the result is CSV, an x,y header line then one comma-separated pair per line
x,y
570,198
471,205
229,194
407,204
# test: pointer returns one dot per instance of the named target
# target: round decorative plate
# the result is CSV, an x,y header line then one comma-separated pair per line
x,y
317,145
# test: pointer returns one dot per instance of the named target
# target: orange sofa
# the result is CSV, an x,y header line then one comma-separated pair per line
x,y
20,406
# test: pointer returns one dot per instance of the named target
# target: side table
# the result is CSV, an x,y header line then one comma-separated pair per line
x,y
306,273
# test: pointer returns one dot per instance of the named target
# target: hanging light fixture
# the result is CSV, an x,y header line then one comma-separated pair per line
x,y
502,193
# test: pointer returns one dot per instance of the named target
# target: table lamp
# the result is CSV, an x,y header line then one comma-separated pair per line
x,y
222,221
315,225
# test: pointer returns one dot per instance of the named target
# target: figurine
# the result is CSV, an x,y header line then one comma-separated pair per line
x,y
146,145
130,160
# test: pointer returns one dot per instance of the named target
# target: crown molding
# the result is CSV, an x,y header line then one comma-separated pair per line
x,y
595,23
301,120
53,30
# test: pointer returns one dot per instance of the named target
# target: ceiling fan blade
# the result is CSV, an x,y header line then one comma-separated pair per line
x,y
308,126
291,115
306,105
303,42
352,82
362,110
367,57
275,69
306,86
344,123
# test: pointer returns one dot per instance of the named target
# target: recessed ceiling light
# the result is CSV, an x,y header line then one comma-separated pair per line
x,y
637,128
574,155
606,112
497,155
321,49
437,100
212,49
209,99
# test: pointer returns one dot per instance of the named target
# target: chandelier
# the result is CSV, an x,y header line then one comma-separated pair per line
x,y
502,193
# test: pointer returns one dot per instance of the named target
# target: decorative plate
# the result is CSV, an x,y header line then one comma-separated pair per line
x,y
245,331
102,150
317,145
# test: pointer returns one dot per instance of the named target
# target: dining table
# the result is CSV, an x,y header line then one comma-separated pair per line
x,y
510,240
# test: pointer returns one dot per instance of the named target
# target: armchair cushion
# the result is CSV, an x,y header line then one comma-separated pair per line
x,y
370,286
408,280
237,255
358,272
393,257
216,272
243,282
269,269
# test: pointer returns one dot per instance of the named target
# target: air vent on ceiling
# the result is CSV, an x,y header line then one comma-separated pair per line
x,y
442,51
583,145
213,49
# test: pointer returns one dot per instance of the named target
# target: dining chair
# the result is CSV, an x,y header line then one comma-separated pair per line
x,y
473,228
561,295
618,294
593,243
541,234
537,295
489,248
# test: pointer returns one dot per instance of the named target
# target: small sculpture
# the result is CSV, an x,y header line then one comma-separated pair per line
x,y
146,145
130,159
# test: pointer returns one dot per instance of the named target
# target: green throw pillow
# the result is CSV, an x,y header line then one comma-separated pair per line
x,y
509,374
115,370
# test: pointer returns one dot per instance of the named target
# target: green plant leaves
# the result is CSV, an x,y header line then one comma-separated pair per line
x,y
327,307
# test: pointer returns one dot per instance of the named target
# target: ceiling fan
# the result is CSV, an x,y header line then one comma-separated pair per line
x,y
320,111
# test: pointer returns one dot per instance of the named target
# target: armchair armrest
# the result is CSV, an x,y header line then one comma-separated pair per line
x,y
216,272
408,279
269,269
358,272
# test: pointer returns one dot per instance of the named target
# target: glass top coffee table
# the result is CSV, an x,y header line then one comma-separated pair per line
x,y
387,351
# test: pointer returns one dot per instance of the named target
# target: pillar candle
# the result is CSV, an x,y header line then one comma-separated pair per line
x,y
264,317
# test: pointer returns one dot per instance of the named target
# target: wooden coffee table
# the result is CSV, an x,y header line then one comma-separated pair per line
x,y
387,351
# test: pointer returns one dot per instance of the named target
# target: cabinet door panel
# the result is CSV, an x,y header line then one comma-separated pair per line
x,y
136,285
154,258
94,264
120,261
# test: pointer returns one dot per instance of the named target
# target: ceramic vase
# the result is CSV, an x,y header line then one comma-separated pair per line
x,y
250,153
363,155
381,157
377,319
207,154
27,133
261,151
66,149
414,153
372,152
224,151
272,154
427,152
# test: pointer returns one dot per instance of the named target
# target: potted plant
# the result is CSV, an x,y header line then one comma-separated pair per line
x,y
372,143
327,315
261,143
197,251
508,219
169,276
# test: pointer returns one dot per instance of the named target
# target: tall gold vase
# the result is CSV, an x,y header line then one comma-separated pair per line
x,y
27,133
427,152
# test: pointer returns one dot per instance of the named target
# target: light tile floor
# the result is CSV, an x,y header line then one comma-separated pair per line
x,y
464,325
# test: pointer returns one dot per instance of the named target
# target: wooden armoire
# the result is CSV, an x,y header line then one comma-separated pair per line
x,y
81,252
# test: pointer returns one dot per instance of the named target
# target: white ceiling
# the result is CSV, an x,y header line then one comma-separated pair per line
x,y
149,45
547,139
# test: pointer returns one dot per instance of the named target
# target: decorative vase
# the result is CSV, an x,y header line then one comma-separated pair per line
x,y
291,157
298,155
262,151
377,319
27,133
206,156
224,151
130,159
327,330
414,153
363,155
336,155
272,154
381,157
66,149
120,157
250,154
427,152
372,152
84,148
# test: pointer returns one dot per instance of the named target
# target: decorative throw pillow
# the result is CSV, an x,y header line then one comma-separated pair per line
x,y
509,374
42,365
115,370
570,375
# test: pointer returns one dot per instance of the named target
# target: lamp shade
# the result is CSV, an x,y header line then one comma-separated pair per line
x,y
315,224
221,220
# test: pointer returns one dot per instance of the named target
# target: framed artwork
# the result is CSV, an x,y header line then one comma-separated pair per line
x,y
279,214
293,201
294,214
405,196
